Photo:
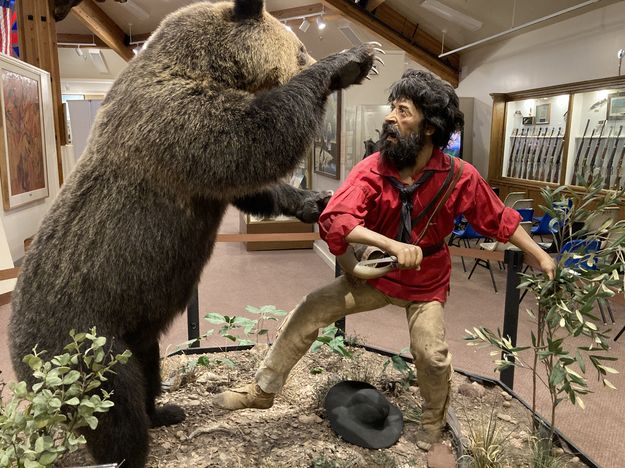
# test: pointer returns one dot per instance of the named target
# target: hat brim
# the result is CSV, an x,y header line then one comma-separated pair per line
x,y
353,431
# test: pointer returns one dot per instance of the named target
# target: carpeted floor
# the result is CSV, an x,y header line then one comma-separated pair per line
x,y
235,278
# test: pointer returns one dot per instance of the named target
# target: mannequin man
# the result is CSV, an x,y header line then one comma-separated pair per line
x,y
379,205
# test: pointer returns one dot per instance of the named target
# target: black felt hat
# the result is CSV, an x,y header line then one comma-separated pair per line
x,y
363,416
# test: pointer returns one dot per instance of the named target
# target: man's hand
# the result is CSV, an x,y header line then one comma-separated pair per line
x,y
408,255
547,265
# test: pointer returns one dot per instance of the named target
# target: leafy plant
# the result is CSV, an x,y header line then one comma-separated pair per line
x,y
265,313
37,425
336,342
400,365
564,305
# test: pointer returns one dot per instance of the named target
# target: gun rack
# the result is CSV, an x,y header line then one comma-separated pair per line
x,y
558,135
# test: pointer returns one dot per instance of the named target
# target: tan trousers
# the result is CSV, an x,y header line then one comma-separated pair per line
x,y
342,297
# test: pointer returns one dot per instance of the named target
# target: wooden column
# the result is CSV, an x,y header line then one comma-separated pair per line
x,y
38,47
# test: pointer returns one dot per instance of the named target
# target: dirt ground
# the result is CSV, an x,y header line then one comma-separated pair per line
x,y
295,433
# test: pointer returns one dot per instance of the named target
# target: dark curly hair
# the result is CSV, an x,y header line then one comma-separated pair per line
x,y
435,98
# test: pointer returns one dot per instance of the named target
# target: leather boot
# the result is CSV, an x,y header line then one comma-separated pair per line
x,y
248,396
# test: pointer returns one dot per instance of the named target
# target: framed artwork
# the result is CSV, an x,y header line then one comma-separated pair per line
x,y
616,106
327,145
24,145
543,112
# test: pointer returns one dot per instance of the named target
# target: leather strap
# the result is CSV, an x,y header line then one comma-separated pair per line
x,y
446,189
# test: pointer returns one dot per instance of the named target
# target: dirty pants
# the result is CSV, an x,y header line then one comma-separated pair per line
x,y
344,297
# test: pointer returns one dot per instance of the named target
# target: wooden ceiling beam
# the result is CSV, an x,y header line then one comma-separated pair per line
x,y
312,9
104,27
446,69
373,4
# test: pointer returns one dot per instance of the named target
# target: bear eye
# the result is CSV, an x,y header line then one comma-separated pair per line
x,y
302,56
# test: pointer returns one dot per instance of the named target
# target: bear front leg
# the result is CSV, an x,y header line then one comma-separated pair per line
x,y
305,205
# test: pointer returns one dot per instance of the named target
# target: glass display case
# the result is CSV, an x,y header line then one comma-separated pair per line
x,y
535,132
597,143
558,135
301,177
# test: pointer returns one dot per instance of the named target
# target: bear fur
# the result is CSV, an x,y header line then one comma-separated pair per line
x,y
219,106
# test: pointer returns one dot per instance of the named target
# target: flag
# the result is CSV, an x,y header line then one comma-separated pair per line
x,y
8,28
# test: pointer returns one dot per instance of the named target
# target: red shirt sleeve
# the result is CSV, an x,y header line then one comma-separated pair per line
x,y
485,211
346,210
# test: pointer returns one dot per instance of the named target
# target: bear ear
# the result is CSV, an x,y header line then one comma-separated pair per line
x,y
248,9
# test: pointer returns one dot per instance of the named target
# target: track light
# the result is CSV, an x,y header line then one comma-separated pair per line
x,y
287,27
321,25
79,52
305,25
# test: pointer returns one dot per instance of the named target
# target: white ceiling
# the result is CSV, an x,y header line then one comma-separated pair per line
x,y
143,16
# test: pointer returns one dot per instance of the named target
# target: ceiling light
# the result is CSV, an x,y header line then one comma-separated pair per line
x,y
79,52
452,15
320,23
305,25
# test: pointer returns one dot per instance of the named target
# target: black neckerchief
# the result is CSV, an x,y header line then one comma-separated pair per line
x,y
406,194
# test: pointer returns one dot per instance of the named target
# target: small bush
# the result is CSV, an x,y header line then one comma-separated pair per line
x,y
38,425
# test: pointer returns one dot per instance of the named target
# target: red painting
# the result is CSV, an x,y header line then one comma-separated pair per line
x,y
24,134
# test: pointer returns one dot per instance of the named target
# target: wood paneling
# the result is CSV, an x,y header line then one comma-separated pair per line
x,y
38,47
410,43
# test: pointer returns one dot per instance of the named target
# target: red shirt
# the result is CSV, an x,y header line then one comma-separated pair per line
x,y
368,199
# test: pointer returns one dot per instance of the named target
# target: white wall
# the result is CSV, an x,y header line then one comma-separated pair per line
x,y
579,48
22,222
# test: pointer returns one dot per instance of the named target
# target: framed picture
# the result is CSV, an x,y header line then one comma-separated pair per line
x,y
25,114
327,145
543,112
528,120
616,106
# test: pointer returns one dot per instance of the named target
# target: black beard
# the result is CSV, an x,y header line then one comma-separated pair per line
x,y
403,152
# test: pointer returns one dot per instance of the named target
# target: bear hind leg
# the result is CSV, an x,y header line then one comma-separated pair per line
x,y
166,415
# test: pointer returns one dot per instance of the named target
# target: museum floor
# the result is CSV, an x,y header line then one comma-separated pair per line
x,y
236,278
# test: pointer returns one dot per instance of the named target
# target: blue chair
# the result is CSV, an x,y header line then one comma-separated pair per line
x,y
527,214
464,234
546,226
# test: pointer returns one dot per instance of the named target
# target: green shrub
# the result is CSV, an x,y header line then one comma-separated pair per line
x,y
38,425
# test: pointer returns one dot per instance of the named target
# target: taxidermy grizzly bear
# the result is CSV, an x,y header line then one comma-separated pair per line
x,y
219,106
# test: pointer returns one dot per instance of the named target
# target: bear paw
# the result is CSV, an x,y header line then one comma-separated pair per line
x,y
167,415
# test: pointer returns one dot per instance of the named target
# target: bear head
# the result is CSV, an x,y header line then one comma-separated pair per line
x,y
235,44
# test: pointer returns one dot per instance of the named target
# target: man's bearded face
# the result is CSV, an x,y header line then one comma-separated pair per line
x,y
401,151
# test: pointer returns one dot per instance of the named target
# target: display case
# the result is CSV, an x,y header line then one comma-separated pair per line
x,y
249,224
558,135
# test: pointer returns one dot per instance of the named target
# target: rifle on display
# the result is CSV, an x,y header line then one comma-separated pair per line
x,y
579,151
601,158
521,157
531,158
607,175
582,163
531,167
512,157
541,160
545,170
594,154
618,181
557,156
